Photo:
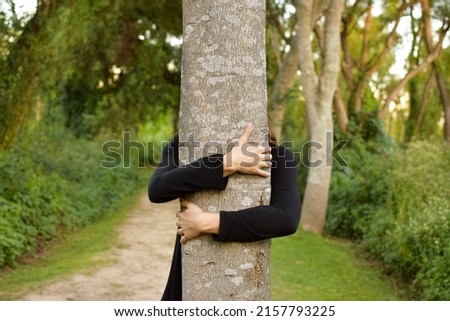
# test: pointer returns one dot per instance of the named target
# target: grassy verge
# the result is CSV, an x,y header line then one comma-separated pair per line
x,y
308,267
77,252
304,266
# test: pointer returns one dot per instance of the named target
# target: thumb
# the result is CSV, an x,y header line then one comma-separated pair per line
x,y
246,135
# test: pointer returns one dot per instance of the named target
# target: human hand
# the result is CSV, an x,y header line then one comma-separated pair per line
x,y
193,221
246,158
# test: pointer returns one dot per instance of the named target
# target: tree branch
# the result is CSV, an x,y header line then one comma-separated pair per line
x,y
412,73
424,101
374,64
341,111
347,61
367,26
443,94
273,18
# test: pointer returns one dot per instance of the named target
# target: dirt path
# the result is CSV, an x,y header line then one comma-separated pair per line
x,y
140,261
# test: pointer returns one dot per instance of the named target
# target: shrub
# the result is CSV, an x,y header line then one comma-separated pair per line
x,y
51,182
358,190
415,244
398,206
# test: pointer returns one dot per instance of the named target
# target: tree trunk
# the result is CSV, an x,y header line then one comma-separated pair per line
x,y
318,92
445,100
341,112
411,74
223,87
424,102
283,83
366,66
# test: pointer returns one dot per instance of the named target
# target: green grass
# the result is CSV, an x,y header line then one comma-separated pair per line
x,y
78,251
304,266
307,267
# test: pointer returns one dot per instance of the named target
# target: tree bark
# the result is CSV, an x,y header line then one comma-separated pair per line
x,y
412,73
283,83
319,92
443,94
366,70
341,112
223,87
424,102
367,27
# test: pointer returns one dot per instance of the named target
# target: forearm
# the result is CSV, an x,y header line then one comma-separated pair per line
x,y
258,223
168,184
280,218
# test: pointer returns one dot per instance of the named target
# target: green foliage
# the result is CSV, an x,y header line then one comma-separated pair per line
x,y
9,31
51,182
434,282
397,205
359,189
80,252
155,135
420,233
116,59
107,65
71,75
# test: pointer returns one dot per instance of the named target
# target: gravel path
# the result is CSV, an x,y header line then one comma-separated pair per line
x,y
140,261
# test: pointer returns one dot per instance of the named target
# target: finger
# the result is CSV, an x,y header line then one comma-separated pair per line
x,y
178,223
246,135
265,164
264,149
261,150
183,239
184,202
263,173
180,231
266,157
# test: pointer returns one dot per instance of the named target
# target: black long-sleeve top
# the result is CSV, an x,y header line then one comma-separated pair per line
x,y
280,218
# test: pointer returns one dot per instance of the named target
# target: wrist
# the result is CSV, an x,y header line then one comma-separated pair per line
x,y
228,168
212,221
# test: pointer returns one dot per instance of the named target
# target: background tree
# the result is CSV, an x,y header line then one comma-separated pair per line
x,y
318,90
105,57
366,52
286,57
368,42
75,74
442,13
223,88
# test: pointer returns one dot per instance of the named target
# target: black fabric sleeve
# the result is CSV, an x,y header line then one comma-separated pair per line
x,y
169,181
280,218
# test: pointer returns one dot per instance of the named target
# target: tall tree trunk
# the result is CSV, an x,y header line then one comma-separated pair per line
x,y
443,94
424,102
341,112
413,88
283,83
319,92
223,87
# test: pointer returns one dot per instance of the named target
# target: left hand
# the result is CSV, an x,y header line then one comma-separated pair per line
x,y
193,221
246,158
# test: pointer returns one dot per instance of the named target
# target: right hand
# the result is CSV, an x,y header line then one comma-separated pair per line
x,y
246,158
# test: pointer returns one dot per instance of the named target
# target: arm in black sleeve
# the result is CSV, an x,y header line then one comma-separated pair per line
x,y
170,181
280,218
